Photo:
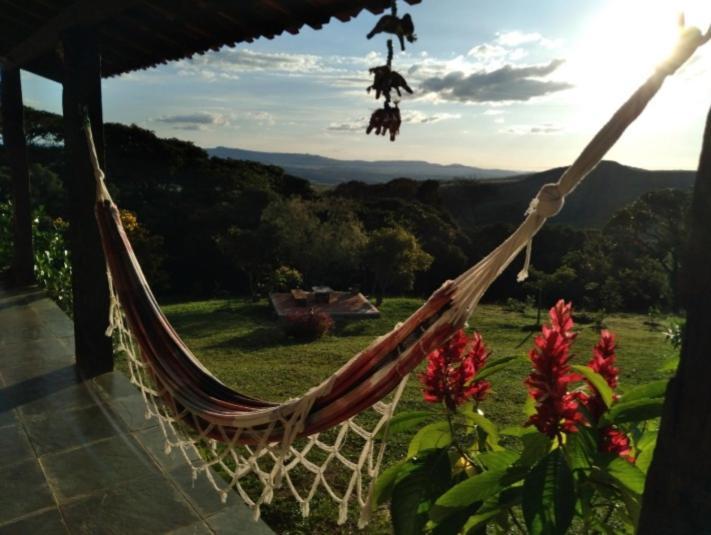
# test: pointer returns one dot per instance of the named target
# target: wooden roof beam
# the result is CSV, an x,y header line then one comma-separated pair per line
x,y
81,13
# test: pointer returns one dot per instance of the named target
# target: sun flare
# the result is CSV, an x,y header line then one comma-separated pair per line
x,y
620,47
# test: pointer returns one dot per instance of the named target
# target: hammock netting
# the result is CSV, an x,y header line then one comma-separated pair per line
x,y
332,437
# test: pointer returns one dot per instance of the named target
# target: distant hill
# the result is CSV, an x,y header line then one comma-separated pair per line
x,y
332,171
608,188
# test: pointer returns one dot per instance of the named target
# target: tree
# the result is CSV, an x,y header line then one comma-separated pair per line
x,y
648,236
394,256
323,240
42,127
250,251
677,492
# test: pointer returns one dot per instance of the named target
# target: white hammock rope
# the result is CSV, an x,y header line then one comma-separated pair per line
x,y
345,460
320,455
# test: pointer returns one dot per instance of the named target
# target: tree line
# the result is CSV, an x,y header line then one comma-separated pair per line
x,y
205,226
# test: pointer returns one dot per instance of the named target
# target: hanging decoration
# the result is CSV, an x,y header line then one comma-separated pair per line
x,y
385,80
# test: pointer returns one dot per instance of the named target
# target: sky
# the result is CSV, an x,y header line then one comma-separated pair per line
x,y
508,84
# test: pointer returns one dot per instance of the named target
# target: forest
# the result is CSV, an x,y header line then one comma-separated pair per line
x,y
207,226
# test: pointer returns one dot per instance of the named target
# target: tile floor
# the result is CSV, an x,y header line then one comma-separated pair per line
x,y
79,457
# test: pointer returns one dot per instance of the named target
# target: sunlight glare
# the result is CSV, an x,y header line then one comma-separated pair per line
x,y
623,44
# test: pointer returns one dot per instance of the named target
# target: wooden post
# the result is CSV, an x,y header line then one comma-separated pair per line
x,y
81,97
677,497
13,133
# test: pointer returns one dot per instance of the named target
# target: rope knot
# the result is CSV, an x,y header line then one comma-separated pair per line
x,y
548,202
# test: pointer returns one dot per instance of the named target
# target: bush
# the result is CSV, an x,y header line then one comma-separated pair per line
x,y
53,267
5,234
514,305
308,325
285,278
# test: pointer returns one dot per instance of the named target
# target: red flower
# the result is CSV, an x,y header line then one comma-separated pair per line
x,y
562,319
556,408
602,362
451,371
613,440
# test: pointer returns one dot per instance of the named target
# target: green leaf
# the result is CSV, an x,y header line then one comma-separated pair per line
x,y
484,424
529,406
517,431
549,496
475,489
535,446
404,421
478,520
649,436
626,474
581,449
499,460
382,490
670,365
495,366
412,495
598,381
436,435
644,459
633,411
656,389
453,523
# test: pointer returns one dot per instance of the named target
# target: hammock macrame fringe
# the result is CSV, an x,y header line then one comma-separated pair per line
x,y
317,441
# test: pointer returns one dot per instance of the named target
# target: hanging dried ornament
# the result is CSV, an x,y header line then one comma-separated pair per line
x,y
403,27
385,80
385,120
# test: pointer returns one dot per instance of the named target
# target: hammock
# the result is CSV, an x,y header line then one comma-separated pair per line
x,y
319,440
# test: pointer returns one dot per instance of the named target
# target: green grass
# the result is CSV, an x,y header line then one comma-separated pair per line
x,y
243,345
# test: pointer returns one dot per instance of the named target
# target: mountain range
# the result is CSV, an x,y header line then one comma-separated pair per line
x,y
607,189
476,196
333,171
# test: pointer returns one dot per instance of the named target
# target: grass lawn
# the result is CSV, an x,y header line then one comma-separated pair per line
x,y
242,344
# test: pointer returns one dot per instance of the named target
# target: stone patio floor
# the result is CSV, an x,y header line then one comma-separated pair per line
x,y
79,457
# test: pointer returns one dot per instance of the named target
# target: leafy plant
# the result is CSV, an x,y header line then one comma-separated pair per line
x,y
580,458
52,262
53,268
5,234
285,278
308,325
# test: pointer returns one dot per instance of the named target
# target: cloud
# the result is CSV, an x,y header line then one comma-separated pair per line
x,y
355,125
540,129
408,117
195,119
190,127
418,117
260,117
506,84
233,60
231,63
205,120
518,38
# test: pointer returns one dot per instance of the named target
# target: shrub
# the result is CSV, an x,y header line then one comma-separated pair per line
x,y
5,234
53,268
675,334
515,305
308,325
285,278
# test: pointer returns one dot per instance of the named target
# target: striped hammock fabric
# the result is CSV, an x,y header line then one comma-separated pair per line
x,y
324,439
